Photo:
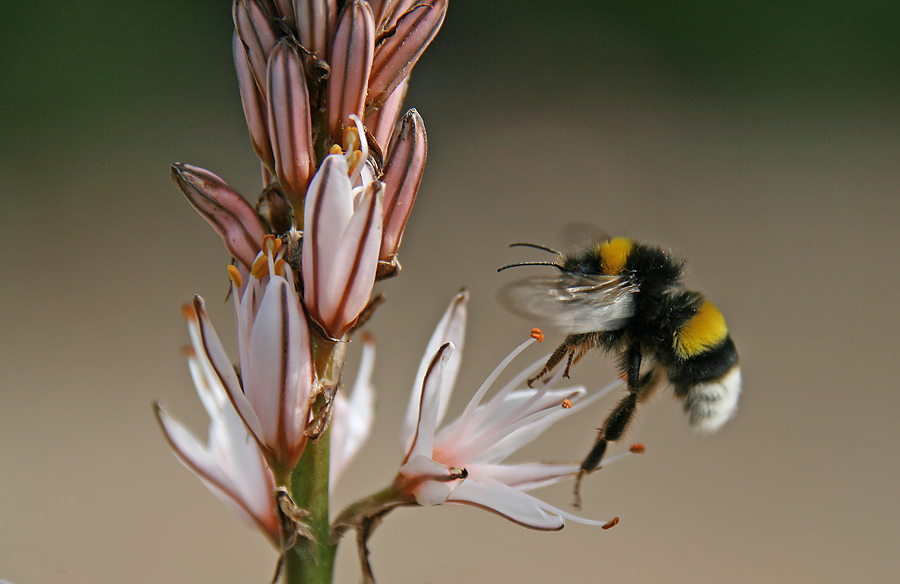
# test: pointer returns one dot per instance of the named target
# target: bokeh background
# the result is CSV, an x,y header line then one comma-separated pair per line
x,y
759,140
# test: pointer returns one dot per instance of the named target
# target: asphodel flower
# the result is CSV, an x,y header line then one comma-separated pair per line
x,y
462,462
276,380
342,228
231,464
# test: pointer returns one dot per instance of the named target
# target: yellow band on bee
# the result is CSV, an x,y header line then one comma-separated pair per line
x,y
704,330
614,254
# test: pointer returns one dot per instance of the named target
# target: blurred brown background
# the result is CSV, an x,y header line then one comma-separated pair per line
x,y
759,141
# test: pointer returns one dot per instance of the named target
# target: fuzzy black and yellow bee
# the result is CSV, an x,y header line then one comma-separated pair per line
x,y
628,298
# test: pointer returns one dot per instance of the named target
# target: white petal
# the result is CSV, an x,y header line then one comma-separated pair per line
x,y
518,408
525,476
277,379
507,502
352,274
190,450
515,505
352,419
451,329
423,438
328,208
191,454
239,456
217,357
434,482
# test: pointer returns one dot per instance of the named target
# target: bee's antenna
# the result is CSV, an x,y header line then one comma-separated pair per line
x,y
536,246
557,266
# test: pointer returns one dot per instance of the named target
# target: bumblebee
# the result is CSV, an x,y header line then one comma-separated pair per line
x,y
628,299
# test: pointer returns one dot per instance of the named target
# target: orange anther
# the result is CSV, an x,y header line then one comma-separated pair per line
x,y
566,404
611,523
270,243
354,159
351,139
260,267
537,334
637,448
335,149
279,267
235,275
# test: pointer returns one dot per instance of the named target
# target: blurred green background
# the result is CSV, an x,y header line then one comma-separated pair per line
x,y
760,140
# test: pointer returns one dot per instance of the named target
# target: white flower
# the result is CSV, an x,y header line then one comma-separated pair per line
x,y
341,238
352,418
276,378
230,464
463,461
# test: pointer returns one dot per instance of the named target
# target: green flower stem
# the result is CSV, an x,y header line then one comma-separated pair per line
x,y
312,561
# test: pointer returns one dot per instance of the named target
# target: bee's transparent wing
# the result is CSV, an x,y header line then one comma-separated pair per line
x,y
572,303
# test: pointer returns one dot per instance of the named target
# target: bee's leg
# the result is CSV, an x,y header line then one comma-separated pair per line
x,y
567,350
617,422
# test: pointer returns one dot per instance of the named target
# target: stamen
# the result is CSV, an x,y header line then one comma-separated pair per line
x,y
271,244
336,149
260,266
235,275
279,267
566,404
189,313
611,523
637,449
353,160
465,418
351,139
537,335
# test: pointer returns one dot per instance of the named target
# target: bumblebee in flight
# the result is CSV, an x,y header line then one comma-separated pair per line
x,y
628,298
